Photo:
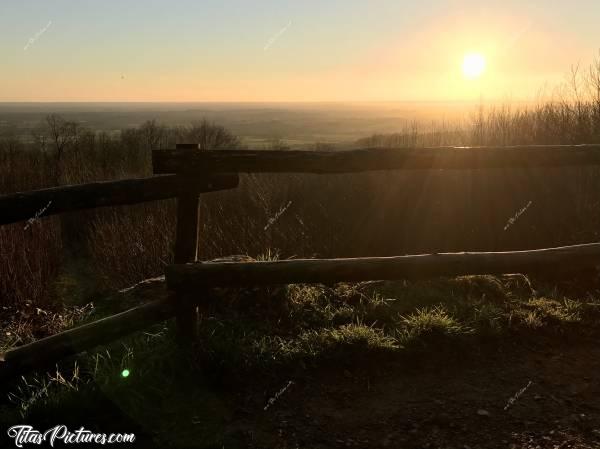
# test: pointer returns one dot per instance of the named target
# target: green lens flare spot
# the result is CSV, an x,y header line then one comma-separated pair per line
x,y
125,373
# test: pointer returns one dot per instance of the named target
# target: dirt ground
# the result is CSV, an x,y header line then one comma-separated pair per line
x,y
459,400
525,388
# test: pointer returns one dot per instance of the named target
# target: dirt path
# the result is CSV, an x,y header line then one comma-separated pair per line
x,y
456,401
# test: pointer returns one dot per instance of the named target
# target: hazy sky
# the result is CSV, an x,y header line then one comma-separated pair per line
x,y
328,50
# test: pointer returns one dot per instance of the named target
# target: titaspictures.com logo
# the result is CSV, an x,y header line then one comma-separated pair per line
x,y
25,434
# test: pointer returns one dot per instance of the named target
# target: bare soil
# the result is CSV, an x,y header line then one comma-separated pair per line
x,y
449,398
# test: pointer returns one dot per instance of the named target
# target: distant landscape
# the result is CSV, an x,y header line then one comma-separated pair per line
x,y
257,124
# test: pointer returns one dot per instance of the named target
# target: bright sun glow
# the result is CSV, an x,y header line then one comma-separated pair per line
x,y
473,65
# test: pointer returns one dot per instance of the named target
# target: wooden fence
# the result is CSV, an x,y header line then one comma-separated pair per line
x,y
186,173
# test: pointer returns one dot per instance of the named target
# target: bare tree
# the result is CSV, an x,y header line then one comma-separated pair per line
x,y
63,134
9,144
593,82
152,134
208,136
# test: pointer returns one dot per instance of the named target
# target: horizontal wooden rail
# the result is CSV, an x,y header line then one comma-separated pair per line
x,y
181,160
238,274
46,351
20,206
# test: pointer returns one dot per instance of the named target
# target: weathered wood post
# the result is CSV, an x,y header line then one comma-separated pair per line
x,y
186,250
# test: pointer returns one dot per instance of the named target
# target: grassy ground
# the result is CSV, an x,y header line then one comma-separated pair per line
x,y
381,364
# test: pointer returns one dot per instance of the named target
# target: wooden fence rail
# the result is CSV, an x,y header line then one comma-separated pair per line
x,y
21,206
46,351
190,277
181,160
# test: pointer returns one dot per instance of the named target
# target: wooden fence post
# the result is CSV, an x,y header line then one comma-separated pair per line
x,y
186,250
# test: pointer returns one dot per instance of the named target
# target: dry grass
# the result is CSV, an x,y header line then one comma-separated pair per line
x,y
128,245
249,341
29,262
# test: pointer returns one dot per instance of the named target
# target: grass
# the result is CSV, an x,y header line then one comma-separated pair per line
x,y
243,346
427,322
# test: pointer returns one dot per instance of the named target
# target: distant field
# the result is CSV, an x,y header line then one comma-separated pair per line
x,y
255,123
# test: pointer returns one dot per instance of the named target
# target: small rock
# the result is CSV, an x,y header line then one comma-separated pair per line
x,y
482,412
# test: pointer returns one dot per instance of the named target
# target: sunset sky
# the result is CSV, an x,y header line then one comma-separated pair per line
x,y
346,50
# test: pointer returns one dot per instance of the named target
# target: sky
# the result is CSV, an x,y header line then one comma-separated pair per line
x,y
265,50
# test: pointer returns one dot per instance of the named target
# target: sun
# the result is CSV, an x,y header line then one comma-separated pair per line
x,y
473,65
